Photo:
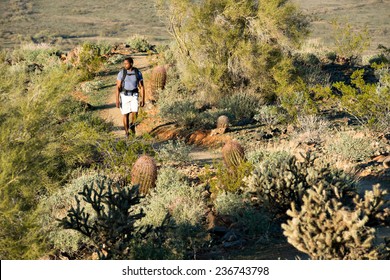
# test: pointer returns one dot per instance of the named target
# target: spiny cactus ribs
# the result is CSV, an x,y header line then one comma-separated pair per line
x,y
223,122
233,154
144,174
159,78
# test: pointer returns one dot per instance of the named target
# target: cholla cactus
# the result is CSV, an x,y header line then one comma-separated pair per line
x,y
325,229
280,180
223,122
233,154
159,78
374,205
144,174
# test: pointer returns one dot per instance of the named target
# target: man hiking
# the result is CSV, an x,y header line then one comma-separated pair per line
x,y
129,86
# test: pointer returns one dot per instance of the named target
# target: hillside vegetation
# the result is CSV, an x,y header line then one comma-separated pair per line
x,y
302,139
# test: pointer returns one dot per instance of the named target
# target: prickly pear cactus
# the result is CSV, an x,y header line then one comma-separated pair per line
x,y
223,122
144,174
233,154
159,78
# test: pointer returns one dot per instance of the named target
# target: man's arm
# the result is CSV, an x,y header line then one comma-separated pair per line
x,y
118,87
142,90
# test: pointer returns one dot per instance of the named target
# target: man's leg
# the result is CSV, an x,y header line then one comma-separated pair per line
x,y
126,123
134,116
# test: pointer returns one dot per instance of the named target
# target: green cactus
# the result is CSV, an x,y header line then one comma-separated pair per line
x,y
281,179
144,174
223,122
325,229
158,80
233,154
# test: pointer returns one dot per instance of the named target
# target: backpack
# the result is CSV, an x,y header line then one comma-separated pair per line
x,y
124,74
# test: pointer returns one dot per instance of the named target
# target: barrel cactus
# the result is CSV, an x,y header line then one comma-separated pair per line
x,y
233,154
223,122
159,78
144,174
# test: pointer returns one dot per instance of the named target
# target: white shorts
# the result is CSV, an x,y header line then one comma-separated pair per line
x,y
129,103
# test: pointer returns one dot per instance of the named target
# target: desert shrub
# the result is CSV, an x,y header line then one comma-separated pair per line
x,y
348,42
240,105
139,43
368,103
89,57
38,54
225,179
259,155
298,101
309,68
54,208
90,86
225,45
311,129
116,58
270,115
112,227
44,134
184,203
254,221
174,151
281,179
118,156
324,228
346,146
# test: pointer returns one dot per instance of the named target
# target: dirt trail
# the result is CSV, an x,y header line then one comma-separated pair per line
x,y
150,121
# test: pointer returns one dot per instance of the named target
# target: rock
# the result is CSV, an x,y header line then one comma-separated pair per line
x,y
379,158
218,131
386,162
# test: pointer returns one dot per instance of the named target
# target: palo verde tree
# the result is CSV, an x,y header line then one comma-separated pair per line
x,y
223,45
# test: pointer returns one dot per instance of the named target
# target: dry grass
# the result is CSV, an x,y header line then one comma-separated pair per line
x,y
69,22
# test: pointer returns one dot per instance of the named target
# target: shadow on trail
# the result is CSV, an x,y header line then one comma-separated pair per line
x,y
104,107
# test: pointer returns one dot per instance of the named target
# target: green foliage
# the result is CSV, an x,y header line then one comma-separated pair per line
x,y
325,229
224,45
270,115
89,57
184,203
174,151
44,135
91,86
240,105
224,179
113,229
119,155
311,129
348,42
139,43
368,103
254,221
281,179
347,147
54,207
